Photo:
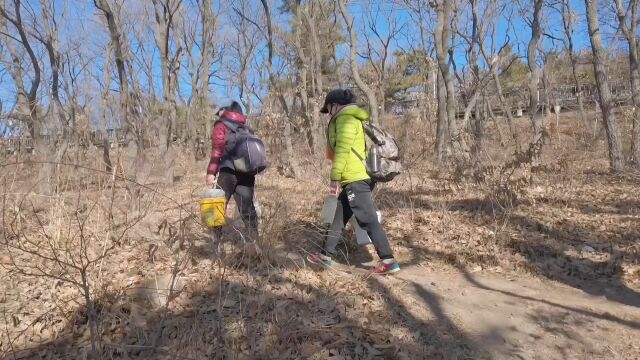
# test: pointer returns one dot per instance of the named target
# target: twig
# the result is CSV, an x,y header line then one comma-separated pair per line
x,y
6,326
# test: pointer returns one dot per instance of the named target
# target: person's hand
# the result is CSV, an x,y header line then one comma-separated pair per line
x,y
211,180
334,186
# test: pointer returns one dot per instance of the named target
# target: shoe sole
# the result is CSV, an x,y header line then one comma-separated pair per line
x,y
392,271
320,263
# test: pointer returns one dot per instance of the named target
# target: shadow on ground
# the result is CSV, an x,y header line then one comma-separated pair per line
x,y
553,251
268,317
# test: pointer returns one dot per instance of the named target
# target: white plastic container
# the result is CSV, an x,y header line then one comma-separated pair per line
x,y
328,211
362,238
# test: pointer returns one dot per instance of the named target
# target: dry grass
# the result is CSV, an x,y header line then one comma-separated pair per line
x,y
158,290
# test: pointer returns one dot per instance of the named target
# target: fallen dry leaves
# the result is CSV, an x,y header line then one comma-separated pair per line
x,y
229,305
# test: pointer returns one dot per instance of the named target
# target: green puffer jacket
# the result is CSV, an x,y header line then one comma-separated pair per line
x,y
345,132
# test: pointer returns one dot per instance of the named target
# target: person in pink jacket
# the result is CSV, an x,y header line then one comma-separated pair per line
x,y
221,170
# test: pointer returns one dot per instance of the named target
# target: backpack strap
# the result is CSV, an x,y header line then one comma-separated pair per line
x,y
235,126
357,155
231,125
370,130
365,134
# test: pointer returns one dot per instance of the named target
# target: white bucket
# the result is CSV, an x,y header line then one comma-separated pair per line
x,y
362,238
328,211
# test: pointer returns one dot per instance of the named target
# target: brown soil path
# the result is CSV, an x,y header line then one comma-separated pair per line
x,y
518,317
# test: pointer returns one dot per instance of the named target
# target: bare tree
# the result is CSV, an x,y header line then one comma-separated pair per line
x,y
310,17
27,102
442,128
104,101
419,14
371,97
305,64
115,34
479,80
534,71
243,48
506,109
616,158
290,164
139,28
379,36
131,118
199,38
447,122
57,119
568,19
628,22
165,14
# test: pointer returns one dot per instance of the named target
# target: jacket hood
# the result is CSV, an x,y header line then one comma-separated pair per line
x,y
355,111
233,116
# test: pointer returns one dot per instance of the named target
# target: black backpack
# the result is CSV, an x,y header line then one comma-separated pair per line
x,y
244,149
383,157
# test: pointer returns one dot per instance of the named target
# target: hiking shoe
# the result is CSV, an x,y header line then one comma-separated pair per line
x,y
387,266
320,259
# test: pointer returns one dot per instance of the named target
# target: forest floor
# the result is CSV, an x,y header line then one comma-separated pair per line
x,y
551,270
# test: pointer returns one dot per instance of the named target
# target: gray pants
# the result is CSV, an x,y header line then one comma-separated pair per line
x,y
241,186
356,200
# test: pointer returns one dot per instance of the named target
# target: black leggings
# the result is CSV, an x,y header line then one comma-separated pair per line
x,y
241,186
356,200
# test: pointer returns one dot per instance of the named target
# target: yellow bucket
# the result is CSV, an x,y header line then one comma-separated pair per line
x,y
212,208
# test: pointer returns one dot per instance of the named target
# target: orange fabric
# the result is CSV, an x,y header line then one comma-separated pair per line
x,y
330,154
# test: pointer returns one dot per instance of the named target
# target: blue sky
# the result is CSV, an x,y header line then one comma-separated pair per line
x,y
82,24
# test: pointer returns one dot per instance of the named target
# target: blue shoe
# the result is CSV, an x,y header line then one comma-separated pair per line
x,y
320,259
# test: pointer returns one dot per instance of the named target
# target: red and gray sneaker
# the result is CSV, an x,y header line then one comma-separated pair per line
x,y
320,259
386,266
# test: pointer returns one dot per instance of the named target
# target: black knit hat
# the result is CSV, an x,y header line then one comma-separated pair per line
x,y
234,107
338,96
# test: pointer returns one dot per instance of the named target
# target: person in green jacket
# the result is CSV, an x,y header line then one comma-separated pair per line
x,y
346,148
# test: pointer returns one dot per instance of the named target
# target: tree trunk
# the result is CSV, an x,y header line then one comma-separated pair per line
x,y
164,13
35,124
118,47
506,109
534,76
547,99
630,30
635,94
290,163
106,73
472,51
444,53
492,116
616,158
442,143
54,152
353,60
478,130
302,67
318,89
567,22
132,129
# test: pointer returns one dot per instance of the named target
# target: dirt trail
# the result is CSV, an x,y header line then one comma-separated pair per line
x,y
510,317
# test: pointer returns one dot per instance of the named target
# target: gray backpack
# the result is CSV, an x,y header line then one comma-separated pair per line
x,y
383,155
244,149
